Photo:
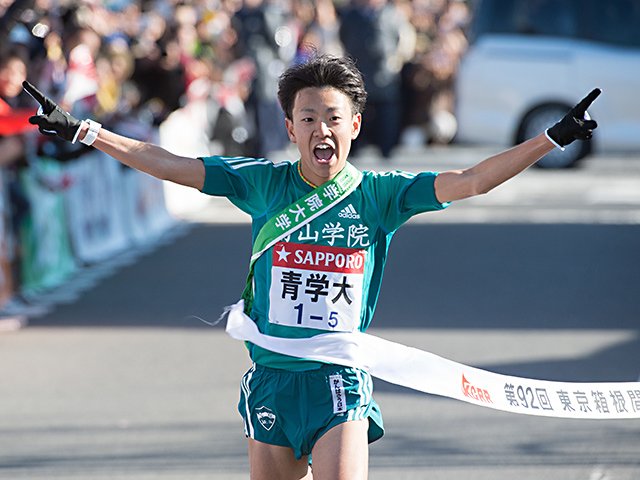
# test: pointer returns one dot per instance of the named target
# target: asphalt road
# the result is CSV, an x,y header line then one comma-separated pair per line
x,y
126,382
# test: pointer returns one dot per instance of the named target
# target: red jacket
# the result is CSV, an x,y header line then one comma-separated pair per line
x,y
14,121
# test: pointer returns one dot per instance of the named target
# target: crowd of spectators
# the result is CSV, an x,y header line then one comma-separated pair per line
x,y
146,58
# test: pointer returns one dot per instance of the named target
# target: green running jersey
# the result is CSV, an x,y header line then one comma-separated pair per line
x,y
326,276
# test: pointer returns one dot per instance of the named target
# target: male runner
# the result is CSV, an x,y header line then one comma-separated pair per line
x,y
324,271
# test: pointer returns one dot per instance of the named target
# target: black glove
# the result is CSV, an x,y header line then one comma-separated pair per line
x,y
51,119
576,124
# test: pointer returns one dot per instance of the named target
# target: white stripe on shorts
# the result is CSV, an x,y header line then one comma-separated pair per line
x,y
248,428
364,391
353,413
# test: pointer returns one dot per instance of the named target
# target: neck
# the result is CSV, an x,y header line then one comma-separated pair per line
x,y
305,179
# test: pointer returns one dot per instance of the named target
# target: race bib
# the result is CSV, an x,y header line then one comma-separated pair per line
x,y
315,286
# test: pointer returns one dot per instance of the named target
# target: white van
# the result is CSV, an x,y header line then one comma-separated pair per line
x,y
530,61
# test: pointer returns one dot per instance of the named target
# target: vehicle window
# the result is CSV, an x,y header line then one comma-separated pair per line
x,y
614,21
527,17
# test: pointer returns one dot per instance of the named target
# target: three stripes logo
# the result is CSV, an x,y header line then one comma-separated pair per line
x,y
349,212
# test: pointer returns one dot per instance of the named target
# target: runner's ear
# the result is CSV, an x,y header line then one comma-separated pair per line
x,y
356,124
289,124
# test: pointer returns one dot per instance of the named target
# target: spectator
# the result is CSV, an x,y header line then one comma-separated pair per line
x,y
13,123
115,67
13,120
264,37
232,128
428,80
381,40
81,86
316,28
159,72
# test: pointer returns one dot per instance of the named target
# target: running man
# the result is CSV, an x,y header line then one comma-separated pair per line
x,y
321,231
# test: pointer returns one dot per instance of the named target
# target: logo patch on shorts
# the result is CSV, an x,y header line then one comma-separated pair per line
x,y
266,417
337,393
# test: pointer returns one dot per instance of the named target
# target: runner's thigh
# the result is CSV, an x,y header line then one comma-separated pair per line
x,y
269,462
342,453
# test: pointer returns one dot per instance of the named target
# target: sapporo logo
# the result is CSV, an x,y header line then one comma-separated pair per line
x,y
474,392
266,417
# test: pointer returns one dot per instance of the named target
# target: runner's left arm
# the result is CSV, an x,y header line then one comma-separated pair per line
x,y
481,178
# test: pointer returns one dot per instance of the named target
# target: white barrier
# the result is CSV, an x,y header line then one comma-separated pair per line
x,y
47,259
92,201
111,207
145,212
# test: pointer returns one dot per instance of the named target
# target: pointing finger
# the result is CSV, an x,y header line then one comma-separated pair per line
x,y
38,120
36,94
581,108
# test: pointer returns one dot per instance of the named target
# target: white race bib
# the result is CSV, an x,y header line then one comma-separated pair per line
x,y
315,286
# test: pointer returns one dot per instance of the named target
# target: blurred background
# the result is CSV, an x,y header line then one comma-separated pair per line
x,y
112,270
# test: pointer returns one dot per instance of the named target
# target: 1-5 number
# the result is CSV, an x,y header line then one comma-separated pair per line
x,y
333,316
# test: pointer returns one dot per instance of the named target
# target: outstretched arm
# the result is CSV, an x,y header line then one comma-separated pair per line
x,y
148,158
488,174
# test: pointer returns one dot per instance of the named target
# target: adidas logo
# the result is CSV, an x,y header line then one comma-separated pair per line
x,y
349,212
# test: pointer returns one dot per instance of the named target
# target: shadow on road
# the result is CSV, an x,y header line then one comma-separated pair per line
x,y
513,276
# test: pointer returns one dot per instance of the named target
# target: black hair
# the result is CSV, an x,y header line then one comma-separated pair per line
x,y
11,52
320,71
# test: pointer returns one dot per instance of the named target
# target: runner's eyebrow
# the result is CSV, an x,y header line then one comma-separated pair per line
x,y
313,110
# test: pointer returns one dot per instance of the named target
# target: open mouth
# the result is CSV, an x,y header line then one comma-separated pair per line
x,y
323,152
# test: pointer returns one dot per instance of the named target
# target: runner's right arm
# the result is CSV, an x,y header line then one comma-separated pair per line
x,y
148,158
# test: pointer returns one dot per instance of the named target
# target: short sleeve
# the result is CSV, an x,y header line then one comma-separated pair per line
x,y
249,183
400,195
221,180
420,195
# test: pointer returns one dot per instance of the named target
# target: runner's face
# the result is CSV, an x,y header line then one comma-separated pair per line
x,y
323,127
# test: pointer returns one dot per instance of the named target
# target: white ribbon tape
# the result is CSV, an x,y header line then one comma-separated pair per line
x,y
429,373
